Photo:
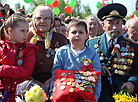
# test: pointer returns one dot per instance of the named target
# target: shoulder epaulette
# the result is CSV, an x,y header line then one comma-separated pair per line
x,y
93,38
130,40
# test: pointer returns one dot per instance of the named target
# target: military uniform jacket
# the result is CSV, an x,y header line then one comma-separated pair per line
x,y
123,69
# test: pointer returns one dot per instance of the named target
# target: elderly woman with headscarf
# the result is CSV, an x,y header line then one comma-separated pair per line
x,y
42,34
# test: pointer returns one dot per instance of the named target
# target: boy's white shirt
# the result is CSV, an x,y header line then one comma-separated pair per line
x,y
76,52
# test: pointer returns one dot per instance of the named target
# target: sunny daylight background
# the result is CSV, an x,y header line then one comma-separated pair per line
x,y
83,8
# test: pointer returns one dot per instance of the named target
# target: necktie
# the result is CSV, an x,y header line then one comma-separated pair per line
x,y
111,45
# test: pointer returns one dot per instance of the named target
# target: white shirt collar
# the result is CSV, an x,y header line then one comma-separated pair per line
x,y
109,38
78,52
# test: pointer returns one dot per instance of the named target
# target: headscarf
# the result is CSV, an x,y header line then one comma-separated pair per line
x,y
44,35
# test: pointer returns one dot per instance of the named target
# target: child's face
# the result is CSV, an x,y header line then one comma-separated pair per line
x,y
20,33
77,36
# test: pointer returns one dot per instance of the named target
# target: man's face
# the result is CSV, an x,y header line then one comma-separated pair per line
x,y
133,30
113,27
43,20
93,27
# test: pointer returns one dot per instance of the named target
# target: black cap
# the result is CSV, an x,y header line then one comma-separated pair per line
x,y
112,11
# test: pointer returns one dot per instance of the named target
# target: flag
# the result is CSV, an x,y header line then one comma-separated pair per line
x,y
136,4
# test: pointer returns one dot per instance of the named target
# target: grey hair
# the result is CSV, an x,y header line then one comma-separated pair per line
x,y
92,17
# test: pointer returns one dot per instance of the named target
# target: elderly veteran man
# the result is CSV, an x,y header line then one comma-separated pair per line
x,y
119,67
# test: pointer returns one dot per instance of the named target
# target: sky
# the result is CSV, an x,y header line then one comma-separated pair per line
x,y
130,4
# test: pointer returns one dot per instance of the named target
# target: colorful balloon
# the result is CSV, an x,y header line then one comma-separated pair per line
x,y
72,3
55,3
49,2
136,13
107,3
68,9
98,5
103,4
27,1
56,11
49,5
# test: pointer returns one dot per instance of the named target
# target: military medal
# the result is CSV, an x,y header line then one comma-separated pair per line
x,y
115,59
52,52
114,65
78,81
69,83
62,87
86,90
69,73
96,46
62,74
125,67
58,79
132,54
81,88
116,71
19,62
71,90
90,90
127,46
58,84
77,86
101,58
62,79
49,49
98,50
64,83
48,55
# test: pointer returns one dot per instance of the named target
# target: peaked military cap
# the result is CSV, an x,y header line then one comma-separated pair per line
x,y
112,11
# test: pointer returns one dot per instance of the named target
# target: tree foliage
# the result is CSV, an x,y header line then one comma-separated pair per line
x,y
17,6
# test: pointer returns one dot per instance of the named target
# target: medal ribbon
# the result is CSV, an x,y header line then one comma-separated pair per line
x,y
118,53
86,63
20,53
116,50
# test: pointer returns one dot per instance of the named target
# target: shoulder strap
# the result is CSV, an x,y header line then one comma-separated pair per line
x,y
93,38
130,40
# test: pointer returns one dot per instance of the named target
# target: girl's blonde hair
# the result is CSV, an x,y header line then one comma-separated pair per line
x,y
11,22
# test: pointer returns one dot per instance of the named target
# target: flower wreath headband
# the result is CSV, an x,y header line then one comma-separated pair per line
x,y
46,34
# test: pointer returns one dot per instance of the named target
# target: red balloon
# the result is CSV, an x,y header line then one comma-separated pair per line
x,y
68,9
103,4
55,3
49,5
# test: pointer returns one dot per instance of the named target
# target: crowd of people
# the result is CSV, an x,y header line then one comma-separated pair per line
x,y
33,46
